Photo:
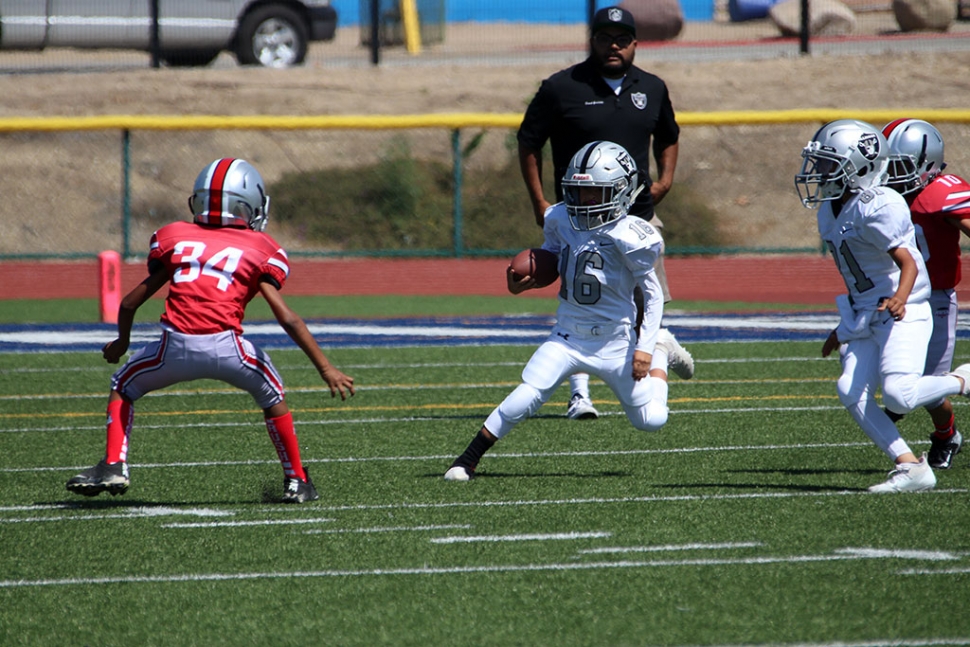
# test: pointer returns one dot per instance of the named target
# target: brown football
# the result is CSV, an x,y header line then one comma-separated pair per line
x,y
540,264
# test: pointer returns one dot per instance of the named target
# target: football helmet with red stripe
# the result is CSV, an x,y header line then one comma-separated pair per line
x,y
915,154
844,155
230,193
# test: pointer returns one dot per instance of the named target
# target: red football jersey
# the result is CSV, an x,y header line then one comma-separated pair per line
x,y
213,273
947,196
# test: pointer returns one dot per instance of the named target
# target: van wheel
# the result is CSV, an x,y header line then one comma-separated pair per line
x,y
272,36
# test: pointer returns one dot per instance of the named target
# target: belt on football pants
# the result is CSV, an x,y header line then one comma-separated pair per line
x,y
594,330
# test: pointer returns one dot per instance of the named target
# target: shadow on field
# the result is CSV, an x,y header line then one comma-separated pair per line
x,y
765,487
518,475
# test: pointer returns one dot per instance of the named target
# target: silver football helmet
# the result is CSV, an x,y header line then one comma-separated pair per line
x,y
915,154
230,193
844,155
607,168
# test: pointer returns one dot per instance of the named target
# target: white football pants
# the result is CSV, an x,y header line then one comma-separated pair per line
x,y
893,356
605,352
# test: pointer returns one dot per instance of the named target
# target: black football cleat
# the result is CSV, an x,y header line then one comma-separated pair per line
x,y
103,477
297,491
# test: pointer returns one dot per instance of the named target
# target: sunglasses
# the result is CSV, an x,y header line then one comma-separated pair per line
x,y
622,41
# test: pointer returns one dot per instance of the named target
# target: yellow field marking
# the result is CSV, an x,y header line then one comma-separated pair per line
x,y
396,408
392,386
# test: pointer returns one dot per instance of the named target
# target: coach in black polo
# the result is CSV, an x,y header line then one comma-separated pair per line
x,y
604,97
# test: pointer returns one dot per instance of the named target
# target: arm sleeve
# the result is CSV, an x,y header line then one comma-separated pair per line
x,y
653,308
275,270
641,259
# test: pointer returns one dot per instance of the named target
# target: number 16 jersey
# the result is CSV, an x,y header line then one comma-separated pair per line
x,y
214,272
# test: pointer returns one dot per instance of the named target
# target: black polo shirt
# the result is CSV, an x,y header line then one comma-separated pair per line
x,y
576,106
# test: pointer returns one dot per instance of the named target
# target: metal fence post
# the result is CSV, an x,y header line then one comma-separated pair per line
x,y
125,193
456,207
154,43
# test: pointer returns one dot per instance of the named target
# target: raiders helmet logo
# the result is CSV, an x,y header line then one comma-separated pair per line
x,y
869,146
639,100
626,162
615,14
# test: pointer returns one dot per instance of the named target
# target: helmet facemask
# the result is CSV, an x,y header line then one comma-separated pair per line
x,y
823,177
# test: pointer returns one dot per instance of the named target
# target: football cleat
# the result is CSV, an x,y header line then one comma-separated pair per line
x,y
942,451
459,473
103,477
678,359
908,477
581,408
296,490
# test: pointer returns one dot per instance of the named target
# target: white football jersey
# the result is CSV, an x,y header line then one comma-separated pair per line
x,y
870,224
599,268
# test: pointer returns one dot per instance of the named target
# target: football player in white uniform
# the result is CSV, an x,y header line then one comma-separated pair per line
x,y
886,319
603,254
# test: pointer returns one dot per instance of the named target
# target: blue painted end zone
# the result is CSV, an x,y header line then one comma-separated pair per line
x,y
439,331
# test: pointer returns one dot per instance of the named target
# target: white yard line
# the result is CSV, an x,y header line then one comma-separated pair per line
x,y
494,455
443,570
556,536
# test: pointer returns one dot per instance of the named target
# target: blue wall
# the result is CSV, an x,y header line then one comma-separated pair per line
x,y
535,11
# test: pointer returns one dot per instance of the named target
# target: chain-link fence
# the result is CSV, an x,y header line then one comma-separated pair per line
x,y
402,191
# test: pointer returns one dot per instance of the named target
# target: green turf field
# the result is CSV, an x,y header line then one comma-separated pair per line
x,y
744,521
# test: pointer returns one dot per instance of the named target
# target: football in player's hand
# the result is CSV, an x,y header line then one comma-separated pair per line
x,y
540,264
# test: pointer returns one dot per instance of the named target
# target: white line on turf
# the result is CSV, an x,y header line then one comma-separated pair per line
x,y
661,549
339,531
556,536
536,503
890,642
493,455
239,524
443,570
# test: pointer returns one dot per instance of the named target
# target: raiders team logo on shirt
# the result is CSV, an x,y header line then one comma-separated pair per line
x,y
639,100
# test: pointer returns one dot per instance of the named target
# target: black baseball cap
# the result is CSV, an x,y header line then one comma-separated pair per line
x,y
614,17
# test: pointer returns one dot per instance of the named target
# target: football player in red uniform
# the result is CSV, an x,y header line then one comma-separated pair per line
x,y
939,204
214,266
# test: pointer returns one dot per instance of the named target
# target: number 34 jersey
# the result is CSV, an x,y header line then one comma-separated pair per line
x,y
214,272
859,238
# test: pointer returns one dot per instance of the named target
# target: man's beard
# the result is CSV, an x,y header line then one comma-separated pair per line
x,y
612,69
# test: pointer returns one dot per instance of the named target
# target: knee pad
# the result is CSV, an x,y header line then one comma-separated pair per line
x,y
650,417
900,393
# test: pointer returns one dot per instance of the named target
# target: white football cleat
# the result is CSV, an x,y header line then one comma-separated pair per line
x,y
581,408
963,372
458,473
908,477
678,359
